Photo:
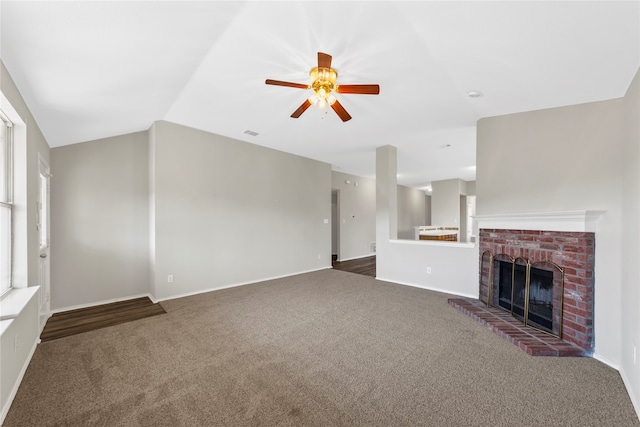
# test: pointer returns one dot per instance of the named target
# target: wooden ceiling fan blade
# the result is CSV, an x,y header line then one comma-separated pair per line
x,y
301,109
324,60
288,84
340,111
359,89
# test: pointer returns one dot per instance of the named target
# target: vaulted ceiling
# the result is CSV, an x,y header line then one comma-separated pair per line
x,y
89,70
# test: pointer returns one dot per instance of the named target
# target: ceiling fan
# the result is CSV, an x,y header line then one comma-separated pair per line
x,y
323,83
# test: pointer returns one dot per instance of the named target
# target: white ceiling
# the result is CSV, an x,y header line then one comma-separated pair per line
x,y
89,70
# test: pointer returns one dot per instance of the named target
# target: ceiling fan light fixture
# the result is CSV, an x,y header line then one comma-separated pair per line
x,y
323,83
322,99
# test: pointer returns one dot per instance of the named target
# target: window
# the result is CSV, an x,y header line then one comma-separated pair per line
x,y
6,207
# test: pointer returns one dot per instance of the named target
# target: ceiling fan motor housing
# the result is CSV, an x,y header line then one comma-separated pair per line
x,y
323,78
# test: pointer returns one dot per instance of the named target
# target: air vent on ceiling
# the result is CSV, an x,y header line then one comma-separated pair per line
x,y
250,132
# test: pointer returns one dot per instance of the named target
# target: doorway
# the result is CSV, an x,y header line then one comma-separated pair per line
x,y
42,224
335,225
467,212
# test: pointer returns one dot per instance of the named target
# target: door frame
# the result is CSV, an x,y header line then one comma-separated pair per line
x,y
44,259
335,224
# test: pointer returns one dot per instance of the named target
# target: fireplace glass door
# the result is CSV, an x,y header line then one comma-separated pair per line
x,y
511,287
541,298
527,292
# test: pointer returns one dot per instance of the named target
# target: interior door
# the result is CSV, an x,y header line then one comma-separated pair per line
x,y
44,239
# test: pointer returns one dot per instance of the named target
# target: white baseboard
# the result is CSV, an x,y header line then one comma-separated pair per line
x,y
356,257
606,361
186,294
627,385
14,390
234,285
429,288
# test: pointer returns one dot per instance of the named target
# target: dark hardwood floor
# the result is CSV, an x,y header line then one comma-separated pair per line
x,y
365,266
81,320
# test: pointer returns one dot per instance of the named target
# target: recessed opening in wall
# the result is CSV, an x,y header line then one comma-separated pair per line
x,y
530,292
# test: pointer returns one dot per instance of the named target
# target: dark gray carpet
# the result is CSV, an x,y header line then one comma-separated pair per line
x,y
321,349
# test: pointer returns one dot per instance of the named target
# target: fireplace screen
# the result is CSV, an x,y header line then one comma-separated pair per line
x,y
530,292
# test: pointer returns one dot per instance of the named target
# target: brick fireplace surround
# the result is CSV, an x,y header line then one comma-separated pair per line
x,y
566,239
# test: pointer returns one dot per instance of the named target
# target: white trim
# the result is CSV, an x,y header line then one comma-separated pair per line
x,y
429,288
14,301
571,221
14,390
42,324
4,325
606,361
156,300
435,243
627,384
356,257
233,285
19,194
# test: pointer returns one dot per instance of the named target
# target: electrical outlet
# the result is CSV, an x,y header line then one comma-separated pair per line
x,y
15,344
170,278
428,270
319,257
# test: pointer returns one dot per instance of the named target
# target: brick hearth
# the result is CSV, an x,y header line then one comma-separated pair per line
x,y
530,340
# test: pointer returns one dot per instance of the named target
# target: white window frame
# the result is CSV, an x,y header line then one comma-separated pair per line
x,y
6,196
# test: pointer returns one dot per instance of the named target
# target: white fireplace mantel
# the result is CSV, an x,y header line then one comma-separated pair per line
x,y
572,221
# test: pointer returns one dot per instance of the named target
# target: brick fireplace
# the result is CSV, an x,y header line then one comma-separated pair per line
x,y
566,242
573,252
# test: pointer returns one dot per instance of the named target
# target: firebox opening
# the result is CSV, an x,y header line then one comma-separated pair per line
x,y
538,310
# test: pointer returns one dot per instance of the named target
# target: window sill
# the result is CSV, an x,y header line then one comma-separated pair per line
x,y
12,304
4,325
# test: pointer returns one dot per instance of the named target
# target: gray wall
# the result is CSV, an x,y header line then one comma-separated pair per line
x,y
411,211
427,209
228,212
36,146
213,212
100,224
445,202
357,214
630,317
575,158
30,145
